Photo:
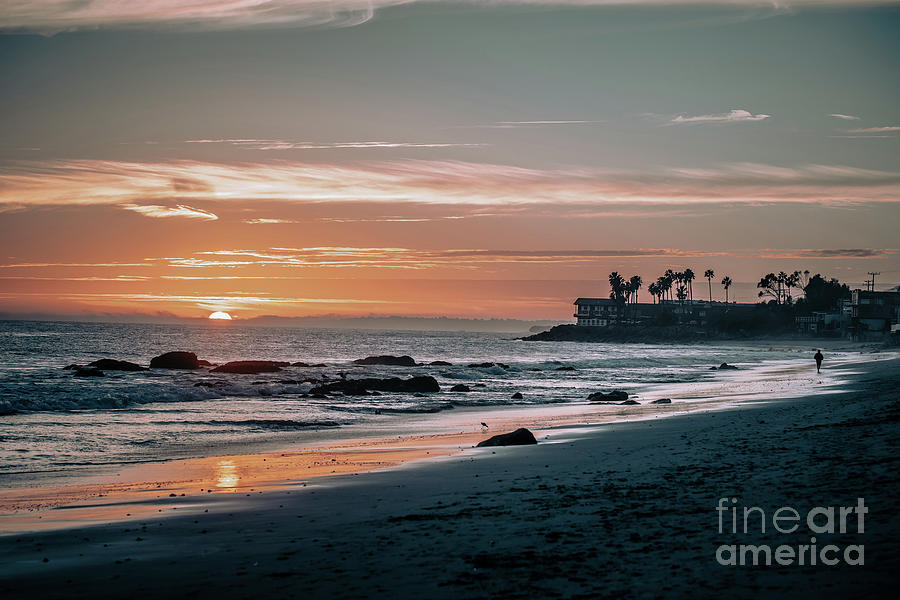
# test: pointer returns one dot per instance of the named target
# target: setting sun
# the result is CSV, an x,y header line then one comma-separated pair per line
x,y
220,316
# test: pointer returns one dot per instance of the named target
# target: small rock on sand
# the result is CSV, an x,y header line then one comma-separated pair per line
x,y
662,401
460,387
614,396
517,396
629,402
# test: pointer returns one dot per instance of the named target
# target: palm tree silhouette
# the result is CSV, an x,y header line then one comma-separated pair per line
x,y
617,286
726,283
709,277
688,279
681,294
636,283
653,288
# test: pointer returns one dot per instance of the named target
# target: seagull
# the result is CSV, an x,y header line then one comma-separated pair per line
x,y
485,425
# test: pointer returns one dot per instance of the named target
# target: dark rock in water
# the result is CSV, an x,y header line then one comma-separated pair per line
x,y
394,361
88,372
726,367
248,367
662,401
319,365
460,387
393,384
108,364
299,364
519,437
517,396
440,363
205,363
71,367
614,396
488,365
175,360
629,402
479,385
714,368
565,368
535,369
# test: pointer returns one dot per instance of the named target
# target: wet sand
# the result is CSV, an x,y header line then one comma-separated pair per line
x,y
624,509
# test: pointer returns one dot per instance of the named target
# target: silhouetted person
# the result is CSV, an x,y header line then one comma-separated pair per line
x,y
818,358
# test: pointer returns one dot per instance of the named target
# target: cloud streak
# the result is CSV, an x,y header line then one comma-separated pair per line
x,y
738,115
254,144
886,129
844,117
54,16
174,189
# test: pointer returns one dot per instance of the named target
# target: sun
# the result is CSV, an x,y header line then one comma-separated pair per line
x,y
220,316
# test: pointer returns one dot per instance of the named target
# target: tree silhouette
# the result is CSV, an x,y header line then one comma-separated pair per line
x,y
689,277
726,283
617,286
709,274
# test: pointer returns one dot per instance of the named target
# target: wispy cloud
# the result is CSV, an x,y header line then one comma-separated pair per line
x,y
738,115
886,129
173,189
844,117
253,144
162,212
54,16
534,124
840,253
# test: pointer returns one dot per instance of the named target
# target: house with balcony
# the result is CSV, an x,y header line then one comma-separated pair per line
x,y
595,312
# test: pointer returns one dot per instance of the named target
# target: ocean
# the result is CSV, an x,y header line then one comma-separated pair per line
x,y
56,424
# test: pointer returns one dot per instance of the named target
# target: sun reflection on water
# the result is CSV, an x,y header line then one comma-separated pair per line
x,y
226,474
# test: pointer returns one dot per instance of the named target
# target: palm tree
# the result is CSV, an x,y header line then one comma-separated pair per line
x,y
782,284
709,274
681,293
617,290
726,283
689,277
791,281
636,283
653,288
670,279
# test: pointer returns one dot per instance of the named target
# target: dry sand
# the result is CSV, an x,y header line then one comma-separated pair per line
x,y
625,509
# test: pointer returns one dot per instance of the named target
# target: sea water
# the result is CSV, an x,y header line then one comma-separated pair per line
x,y
54,422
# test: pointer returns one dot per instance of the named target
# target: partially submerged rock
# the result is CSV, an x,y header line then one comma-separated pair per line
x,y
440,363
424,383
517,396
519,437
460,387
394,361
248,367
726,367
108,364
614,396
629,402
662,401
567,368
175,360
488,365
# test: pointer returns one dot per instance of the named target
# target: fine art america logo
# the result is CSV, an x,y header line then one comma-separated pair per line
x,y
786,520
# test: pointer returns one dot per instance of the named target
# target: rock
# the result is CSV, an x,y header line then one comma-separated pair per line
x,y
565,368
175,360
726,367
319,365
662,401
88,372
71,367
460,387
614,396
487,365
247,367
517,396
519,437
205,363
424,383
629,402
108,364
440,363
714,368
394,361
299,364
535,369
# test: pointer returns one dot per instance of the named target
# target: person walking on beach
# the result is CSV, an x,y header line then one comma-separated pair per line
x,y
818,358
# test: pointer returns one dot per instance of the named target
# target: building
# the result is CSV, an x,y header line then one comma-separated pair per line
x,y
874,312
595,312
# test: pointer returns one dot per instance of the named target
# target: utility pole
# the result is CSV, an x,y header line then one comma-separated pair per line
x,y
872,282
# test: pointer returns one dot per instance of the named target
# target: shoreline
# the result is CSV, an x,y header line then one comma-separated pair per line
x,y
127,492
616,510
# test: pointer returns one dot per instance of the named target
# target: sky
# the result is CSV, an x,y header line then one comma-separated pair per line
x,y
426,158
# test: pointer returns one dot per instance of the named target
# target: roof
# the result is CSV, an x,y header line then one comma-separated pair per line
x,y
581,301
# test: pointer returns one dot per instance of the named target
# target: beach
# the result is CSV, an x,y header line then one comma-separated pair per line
x,y
625,509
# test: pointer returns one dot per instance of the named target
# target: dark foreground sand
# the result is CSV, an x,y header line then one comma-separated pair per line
x,y
621,511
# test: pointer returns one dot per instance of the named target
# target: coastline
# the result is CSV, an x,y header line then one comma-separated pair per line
x,y
156,488
615,509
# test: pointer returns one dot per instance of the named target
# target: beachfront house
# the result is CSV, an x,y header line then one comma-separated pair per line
x,y
874,312
595,312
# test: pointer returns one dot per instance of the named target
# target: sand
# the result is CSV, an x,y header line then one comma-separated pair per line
x,y
623,509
